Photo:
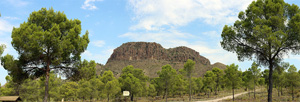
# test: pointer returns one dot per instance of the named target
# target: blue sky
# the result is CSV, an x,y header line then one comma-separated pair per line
x,y
193,23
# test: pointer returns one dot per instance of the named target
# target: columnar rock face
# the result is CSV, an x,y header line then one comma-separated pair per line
x,y
151,56
139,51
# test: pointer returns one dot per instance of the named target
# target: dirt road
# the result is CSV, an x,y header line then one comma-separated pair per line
x,y
226,97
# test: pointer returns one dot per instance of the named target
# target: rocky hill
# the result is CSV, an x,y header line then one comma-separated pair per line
x,y
151,56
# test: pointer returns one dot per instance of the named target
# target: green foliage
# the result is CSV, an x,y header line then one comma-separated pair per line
x,y
293,79
30,90
279,76
180,85
266,31
262,31
194,85
2,47
167,77
199,83
151,90
107,76
112,88
49,41
158,85
51,38
9,89
255,72
261,81
14,69
110,85
54,84
85,70
133,80
219,75
209,81
233,77
265,74
97,86
189,67
69,90
247,79
84,91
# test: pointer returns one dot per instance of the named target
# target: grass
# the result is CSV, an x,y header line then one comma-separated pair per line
x,y
223,93
262,96
196,97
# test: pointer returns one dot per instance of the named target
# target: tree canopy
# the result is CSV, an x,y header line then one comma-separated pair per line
x,y
133,80
15,72
48,41
189,67
293,79
167,77
2,47
209,81
219,75
233,77
84,70
255,73
266,31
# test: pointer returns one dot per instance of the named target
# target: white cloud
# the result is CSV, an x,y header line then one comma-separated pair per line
x,y
212,51
159,16
11,18
212,34
154,14
89,4
101,57
164,36
5,26
98,43
87,53
18,3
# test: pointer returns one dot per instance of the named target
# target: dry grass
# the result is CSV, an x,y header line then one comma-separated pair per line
x,y
262,96
197,97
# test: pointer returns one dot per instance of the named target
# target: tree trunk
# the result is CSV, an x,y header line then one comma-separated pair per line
x,y
46,82
233,94
270,81
166,95
278,91
281,90
254,89
216,89
107,97
131,98
292,92
249,93
190,90
17,89
208,94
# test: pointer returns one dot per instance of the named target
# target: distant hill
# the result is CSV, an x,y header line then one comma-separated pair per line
x,y
151,56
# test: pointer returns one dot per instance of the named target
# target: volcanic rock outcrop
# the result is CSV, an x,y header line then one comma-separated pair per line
x,y
151,56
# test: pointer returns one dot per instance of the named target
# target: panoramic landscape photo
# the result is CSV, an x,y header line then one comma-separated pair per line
x,y
149,50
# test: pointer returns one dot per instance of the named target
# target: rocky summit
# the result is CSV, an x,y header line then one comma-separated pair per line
x,y
151,56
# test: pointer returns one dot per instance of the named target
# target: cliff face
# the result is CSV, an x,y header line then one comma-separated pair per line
x,y
138,51
151,56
